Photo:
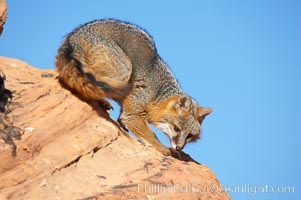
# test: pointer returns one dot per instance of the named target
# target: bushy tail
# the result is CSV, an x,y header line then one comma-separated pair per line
x,y
83,84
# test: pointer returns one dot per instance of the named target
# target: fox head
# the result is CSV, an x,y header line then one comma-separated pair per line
x,y
180,118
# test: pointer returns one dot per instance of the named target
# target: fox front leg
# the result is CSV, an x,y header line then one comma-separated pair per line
x,y
139,126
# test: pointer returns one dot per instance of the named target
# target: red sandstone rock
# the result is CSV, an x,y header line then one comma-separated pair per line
x,y
3,14
69,151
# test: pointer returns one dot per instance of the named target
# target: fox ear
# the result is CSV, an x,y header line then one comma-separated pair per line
x,y
202,113
184,103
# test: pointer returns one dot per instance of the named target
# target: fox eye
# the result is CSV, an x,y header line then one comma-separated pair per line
x,y
176,128
189,136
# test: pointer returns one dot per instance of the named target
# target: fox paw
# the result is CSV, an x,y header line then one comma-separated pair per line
x,y
105,105
164,150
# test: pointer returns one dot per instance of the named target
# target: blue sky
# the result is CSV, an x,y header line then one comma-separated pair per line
x,y
240,57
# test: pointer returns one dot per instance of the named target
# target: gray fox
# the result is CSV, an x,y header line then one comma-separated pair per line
x,y
118,60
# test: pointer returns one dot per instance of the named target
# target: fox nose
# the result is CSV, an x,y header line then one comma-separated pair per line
x,y
178,148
